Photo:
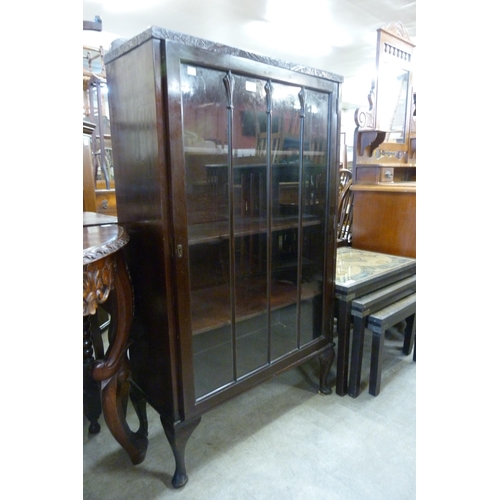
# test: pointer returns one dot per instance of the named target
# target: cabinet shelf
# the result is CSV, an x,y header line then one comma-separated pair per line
x,y
383,165
210,306
219,230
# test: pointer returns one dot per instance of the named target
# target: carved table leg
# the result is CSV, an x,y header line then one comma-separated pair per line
x,y
91,389
114,371
139,404
178,435
326,359
115,394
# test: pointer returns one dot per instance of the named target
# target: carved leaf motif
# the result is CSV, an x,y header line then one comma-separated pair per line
x,y
97,283
229,84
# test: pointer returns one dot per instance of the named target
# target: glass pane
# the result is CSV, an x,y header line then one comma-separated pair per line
x,y
314,215
391,101
205,136
250,223
285,218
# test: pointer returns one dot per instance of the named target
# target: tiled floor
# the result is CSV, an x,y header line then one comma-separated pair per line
x,y
280,440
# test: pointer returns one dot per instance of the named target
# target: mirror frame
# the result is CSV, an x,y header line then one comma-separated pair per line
x,y
395,48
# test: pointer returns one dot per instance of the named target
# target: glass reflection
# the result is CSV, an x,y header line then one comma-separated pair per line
x,y
205,136
285,177
391,102
314,198
256,232
250,211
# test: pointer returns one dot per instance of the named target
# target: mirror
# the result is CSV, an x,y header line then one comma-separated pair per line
x,y
391,103
394,83
388,125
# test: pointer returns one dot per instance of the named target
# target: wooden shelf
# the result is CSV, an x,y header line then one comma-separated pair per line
x,y
385,165
210,306
219,230
402,187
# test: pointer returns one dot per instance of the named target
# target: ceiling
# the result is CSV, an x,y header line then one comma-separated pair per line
x,y
334,35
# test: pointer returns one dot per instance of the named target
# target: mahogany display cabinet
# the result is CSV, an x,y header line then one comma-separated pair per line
x,y
226,181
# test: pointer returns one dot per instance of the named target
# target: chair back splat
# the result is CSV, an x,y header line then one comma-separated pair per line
x,y
344,215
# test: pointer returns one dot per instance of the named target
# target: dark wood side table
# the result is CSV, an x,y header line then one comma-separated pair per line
x,y
360,272
106,278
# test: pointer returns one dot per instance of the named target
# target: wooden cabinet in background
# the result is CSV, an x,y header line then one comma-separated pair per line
x,y
384,153
225,177
385,219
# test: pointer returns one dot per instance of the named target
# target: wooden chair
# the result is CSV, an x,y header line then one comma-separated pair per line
x,y
317,153
344,215
345,176
261,147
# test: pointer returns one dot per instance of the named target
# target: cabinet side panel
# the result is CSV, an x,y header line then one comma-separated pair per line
x,y
385,222
134,82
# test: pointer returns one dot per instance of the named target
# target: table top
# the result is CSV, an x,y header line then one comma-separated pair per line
x,y
101,241
360,271
95,219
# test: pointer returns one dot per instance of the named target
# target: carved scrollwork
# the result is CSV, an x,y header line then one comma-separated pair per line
x,y
98,281
399,155
364,117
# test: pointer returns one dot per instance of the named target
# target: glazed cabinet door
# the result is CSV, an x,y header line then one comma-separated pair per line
x,y
254,157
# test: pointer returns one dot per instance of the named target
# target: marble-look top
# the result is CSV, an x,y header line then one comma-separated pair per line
x,y
121,46
355,266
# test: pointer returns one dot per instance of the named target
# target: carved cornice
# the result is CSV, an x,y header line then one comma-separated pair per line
x,y
120,47
397,28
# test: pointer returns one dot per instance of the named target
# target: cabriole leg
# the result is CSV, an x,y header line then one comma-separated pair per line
x,y
178,435
326,359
